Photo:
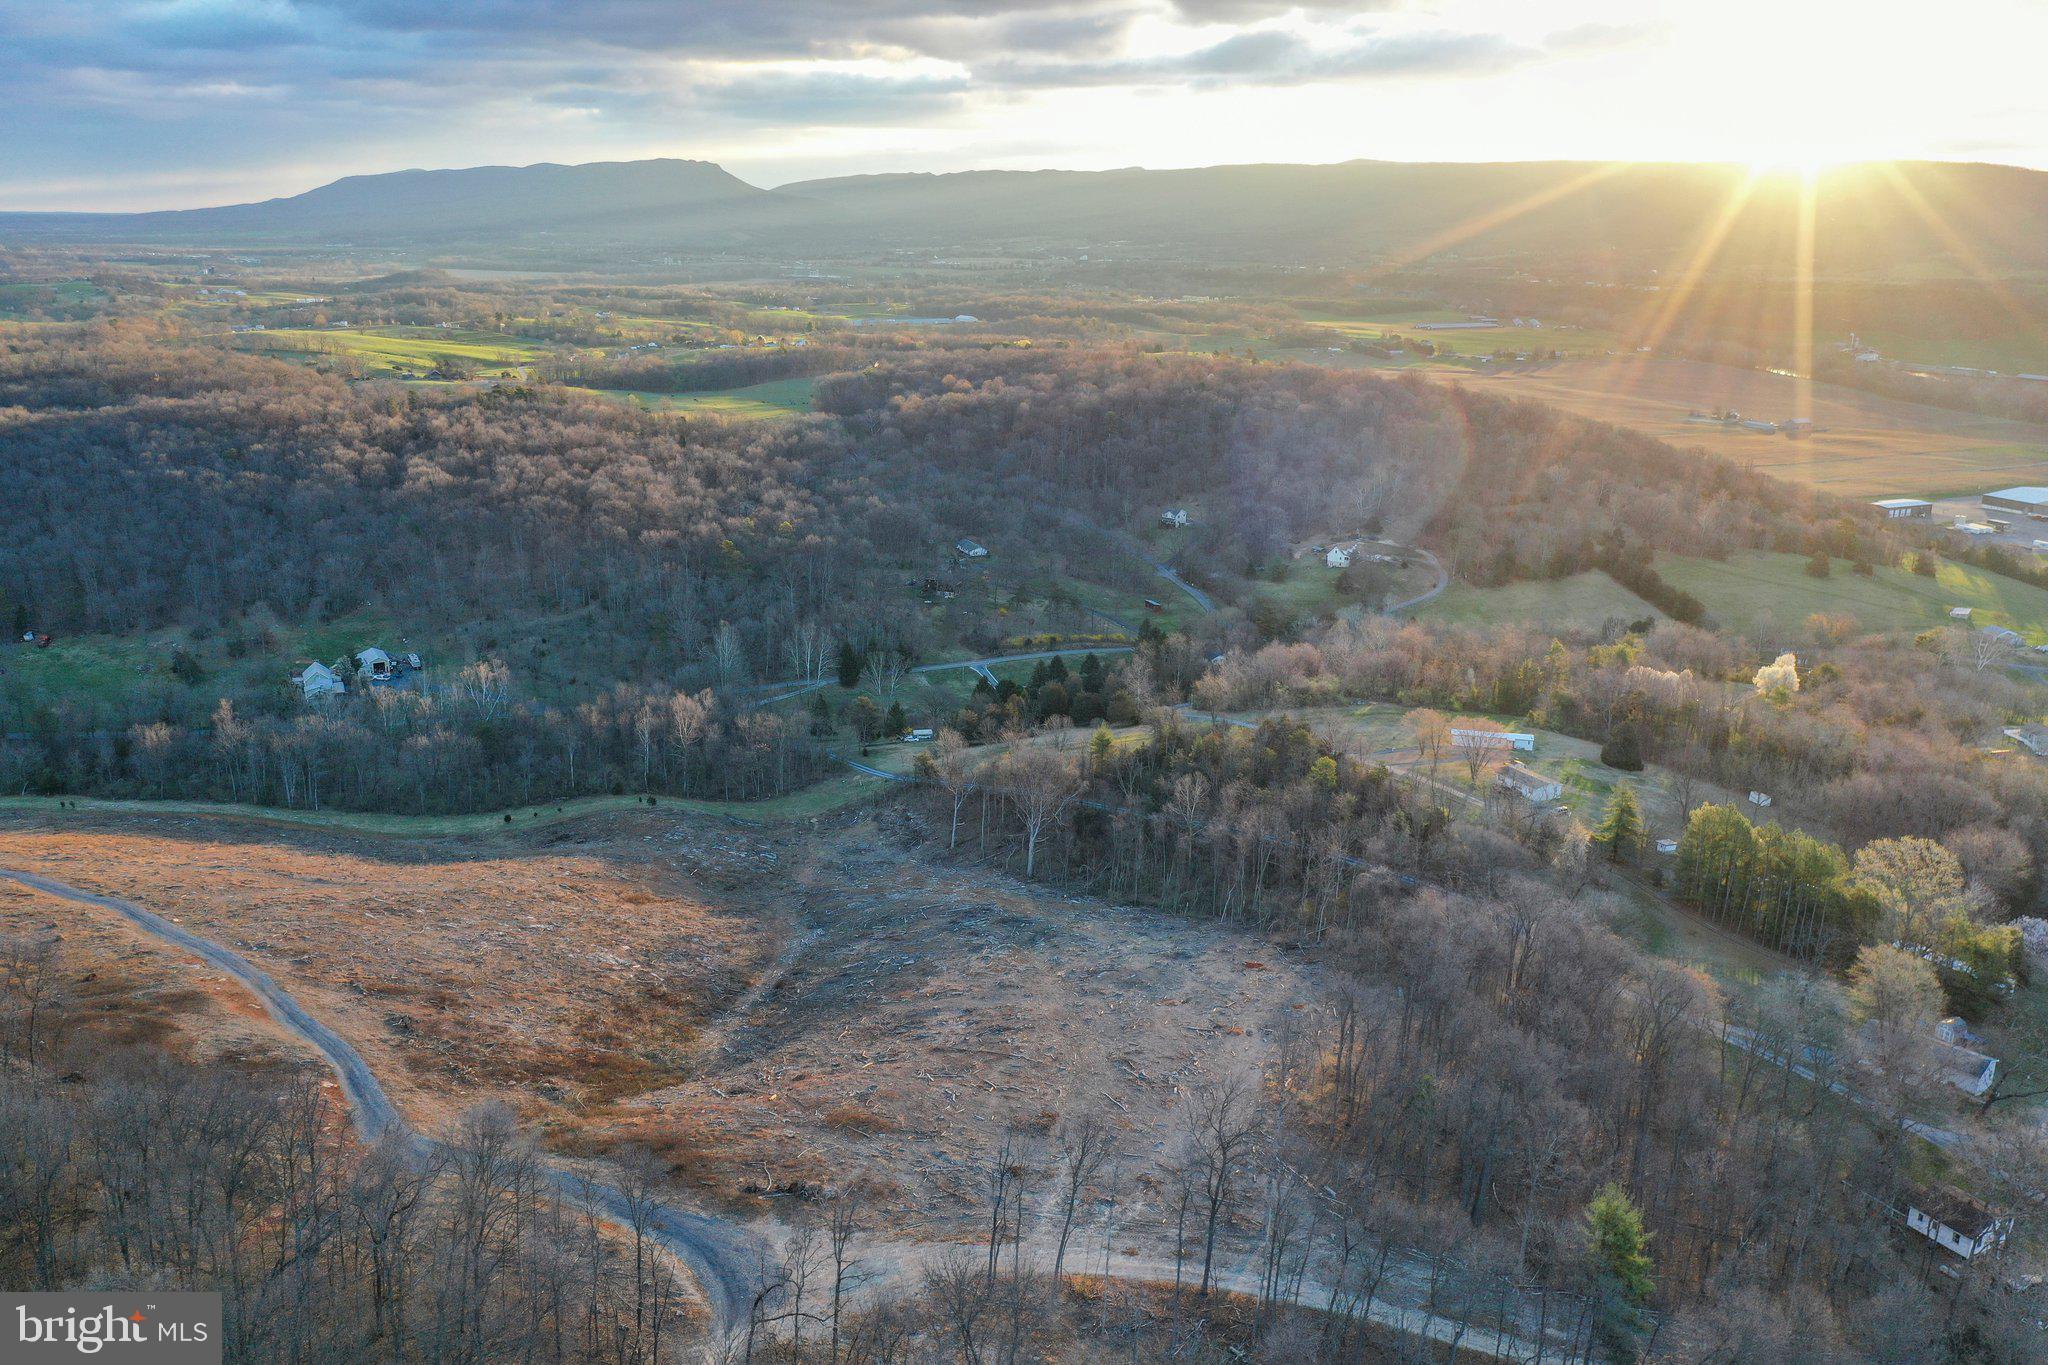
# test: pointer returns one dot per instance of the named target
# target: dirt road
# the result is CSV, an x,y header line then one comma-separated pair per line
x,y
721,1254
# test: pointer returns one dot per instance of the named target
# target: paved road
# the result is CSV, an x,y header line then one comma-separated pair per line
x,y
721,1254
982,666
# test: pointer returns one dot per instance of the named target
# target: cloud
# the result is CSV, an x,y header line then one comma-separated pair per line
x,y
1280,57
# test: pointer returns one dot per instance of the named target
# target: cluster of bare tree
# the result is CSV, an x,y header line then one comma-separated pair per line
x,y
131,1168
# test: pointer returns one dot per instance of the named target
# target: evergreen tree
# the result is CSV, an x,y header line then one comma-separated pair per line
x,y
851,662
898,722
1621,829
1623,750
1619,1256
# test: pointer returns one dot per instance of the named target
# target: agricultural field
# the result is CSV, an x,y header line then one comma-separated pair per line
x,y
1868,446
20,297
408,351
1479,341
1584,601
777,398
1769,596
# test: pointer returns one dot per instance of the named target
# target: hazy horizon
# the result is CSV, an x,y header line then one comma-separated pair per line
x,y
136,106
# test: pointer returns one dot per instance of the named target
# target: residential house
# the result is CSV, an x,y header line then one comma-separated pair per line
x,y
1956,1223
1338,557
1174,516
1759,798
318,680
971,549
1529,784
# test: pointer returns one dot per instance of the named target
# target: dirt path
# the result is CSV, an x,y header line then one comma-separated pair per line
x,y
720,1253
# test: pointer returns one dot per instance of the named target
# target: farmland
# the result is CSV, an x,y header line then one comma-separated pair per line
x,y
777,398
1867,446
1476,341
408,350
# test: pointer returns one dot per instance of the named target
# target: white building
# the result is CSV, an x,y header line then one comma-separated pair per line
x,y
1759,798
318,680
1529,784
1174,516
1956,1223
1900,509
1339,557
376,663
972,549
1492,739
2031,499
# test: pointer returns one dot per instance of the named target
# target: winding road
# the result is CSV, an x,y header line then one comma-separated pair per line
x,y
721,1254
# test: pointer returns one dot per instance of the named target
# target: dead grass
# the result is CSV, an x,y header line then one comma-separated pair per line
x,y
1871,446
769,1012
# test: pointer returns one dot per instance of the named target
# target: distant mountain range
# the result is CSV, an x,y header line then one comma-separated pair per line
x,y
1945,217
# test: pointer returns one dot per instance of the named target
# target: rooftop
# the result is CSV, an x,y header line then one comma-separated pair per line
x,y
2025,493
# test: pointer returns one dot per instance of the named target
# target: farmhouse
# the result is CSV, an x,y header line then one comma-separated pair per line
x,y
1339,557
971,549
1174,516
318,680
1529,784
1955,1222
2030,499
1900,509
1492,739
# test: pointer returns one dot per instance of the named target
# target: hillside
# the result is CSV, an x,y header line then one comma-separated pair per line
x,y
1904,217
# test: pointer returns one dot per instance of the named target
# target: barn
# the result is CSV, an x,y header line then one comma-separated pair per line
x,y
2029,498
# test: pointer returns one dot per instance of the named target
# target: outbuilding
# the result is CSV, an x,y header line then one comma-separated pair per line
x,y
2031,499
1905,509
1956,1223
1529,784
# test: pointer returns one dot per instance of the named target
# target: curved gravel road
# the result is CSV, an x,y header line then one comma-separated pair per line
x,y
721,1254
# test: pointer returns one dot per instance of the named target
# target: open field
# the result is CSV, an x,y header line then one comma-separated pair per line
x,y
1871,446
1765,596
774,399
1586,600
1769,596
407,350
762,1008
1474,341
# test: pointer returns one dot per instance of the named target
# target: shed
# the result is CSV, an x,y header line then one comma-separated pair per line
x,y
374,662
972,549
1759,798
1492,739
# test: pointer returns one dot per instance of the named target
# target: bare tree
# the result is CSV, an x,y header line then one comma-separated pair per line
x,y
1042,784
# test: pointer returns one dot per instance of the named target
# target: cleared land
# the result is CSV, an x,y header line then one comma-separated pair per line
x,y
1585,601
766,1009
1870,447
775,399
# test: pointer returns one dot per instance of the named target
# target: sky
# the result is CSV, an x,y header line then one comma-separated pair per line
x,y
129,104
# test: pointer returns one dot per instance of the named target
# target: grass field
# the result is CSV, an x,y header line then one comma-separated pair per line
x,y
1768,597
1868,446
107,667
775,399
1473,342
409,350
1587,600
832,794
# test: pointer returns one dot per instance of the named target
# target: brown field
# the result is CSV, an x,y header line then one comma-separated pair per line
x,y
766,1008
1870,446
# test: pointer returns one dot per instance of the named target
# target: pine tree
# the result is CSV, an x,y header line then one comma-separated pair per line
x,y
1620,1247
851,662
1621,829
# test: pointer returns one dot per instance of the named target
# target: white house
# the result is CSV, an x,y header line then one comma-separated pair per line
x,y
917,736
318,680
1956,1222
1492,739
1759,798
1529,784
1339,557
1667,845
1960,613
1174,516
972,549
